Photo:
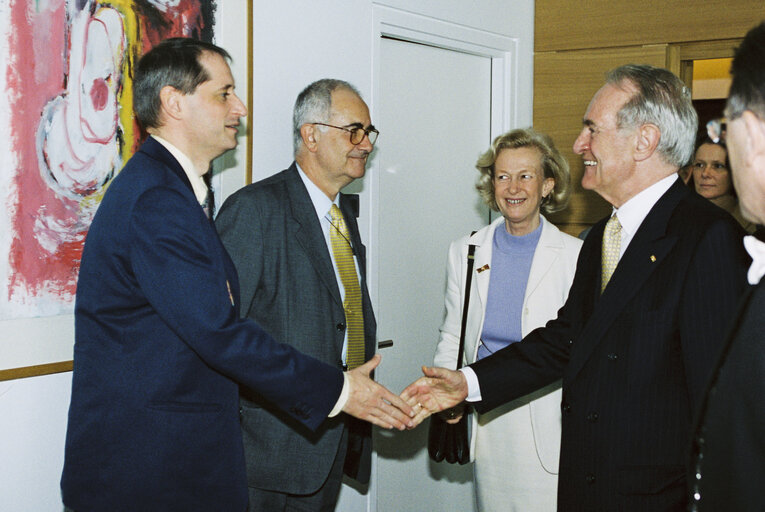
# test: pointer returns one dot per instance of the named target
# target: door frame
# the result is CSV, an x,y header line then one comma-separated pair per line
x,y
406,26
504,111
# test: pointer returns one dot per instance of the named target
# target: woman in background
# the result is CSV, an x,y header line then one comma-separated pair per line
x,y
523,270
712,180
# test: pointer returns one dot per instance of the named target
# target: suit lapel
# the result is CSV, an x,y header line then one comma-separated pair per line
x,y
158,152
307,231
545,257
647,250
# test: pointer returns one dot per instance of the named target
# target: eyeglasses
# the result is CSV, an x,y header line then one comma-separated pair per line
x,y
357,132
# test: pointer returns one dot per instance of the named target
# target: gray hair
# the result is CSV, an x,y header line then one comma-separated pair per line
x,y
314,105
663,100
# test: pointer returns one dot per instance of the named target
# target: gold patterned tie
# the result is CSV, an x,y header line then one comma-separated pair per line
x,y
612,241
346,267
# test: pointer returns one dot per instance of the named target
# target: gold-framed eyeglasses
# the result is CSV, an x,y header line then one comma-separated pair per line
x,y
357,132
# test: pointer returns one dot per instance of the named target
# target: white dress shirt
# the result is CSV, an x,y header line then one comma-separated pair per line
x,y
322,204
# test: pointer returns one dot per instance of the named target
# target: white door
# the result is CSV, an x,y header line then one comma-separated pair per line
x,y
434,114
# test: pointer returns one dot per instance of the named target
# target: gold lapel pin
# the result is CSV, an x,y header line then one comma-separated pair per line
x,y
653,258
485,267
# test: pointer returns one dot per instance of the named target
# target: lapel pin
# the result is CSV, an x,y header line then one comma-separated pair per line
x,y
653,258
485,267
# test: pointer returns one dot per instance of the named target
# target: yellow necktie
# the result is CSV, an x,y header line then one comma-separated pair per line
x,y
612,241
346,267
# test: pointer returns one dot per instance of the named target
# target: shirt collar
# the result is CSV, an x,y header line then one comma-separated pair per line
x,y
321,202
197,182
632,213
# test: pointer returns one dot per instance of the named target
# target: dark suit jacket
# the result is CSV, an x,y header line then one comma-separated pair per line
x,y
154,417
730,431
271,230
634,361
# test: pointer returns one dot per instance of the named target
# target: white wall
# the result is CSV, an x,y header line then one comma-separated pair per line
x,y
295,43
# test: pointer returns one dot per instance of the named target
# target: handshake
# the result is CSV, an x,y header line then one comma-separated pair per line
x,y
438,390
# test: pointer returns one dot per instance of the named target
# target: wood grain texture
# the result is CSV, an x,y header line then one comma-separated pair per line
x,y
566,25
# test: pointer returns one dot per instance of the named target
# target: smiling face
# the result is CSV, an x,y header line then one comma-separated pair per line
x,y
607,149
519,186
338,161
710,174
212,113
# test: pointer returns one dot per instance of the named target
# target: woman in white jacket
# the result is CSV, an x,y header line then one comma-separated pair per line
x,y
523,270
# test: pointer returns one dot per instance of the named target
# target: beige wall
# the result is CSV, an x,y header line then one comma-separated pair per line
x,y
576,43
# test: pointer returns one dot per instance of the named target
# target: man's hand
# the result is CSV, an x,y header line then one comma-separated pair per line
x,y
440,389
369,401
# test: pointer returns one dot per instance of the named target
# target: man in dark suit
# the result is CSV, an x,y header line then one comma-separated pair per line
x,y
727,467
643,323
159,345
279,234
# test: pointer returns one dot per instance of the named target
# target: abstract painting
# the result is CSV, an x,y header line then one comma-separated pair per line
x,y
66,129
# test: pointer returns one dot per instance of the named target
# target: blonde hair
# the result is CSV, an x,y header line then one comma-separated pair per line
x,y
554,166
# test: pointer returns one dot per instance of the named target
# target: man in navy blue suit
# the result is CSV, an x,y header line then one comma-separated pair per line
x,y
656,285
160,349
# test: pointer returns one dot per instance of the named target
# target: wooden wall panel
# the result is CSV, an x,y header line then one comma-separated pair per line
x,y
564,83
567,25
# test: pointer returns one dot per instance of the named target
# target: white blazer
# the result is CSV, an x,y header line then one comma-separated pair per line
x,y
550,277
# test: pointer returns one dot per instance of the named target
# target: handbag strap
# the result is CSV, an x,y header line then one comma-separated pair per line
x,y
468,282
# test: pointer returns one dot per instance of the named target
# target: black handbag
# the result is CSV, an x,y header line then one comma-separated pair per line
x,y
450,442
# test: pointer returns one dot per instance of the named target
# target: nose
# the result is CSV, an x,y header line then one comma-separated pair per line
x,y
582,142
365,145
239,109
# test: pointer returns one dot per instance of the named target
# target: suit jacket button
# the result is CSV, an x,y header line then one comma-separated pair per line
x,y
612,357
590,478
592,417
565,407
340,326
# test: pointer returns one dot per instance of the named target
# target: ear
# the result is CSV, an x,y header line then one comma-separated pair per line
x,y
755,140
309,133
171,104
547,186
648,136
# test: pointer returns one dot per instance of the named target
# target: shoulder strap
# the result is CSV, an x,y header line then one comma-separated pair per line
x,y
468,282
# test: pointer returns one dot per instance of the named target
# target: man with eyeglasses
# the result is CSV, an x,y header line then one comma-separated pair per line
x,y
727,463
294,240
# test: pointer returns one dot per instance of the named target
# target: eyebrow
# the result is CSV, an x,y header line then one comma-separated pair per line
x,y
359,125
588,122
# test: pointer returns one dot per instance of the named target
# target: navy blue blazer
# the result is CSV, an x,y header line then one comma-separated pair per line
x,y
159,349
635,360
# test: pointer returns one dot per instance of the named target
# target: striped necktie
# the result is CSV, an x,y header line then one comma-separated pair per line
x,y
612,241
346,267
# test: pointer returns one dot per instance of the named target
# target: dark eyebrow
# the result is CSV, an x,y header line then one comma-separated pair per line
x,y
587,122
359,125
